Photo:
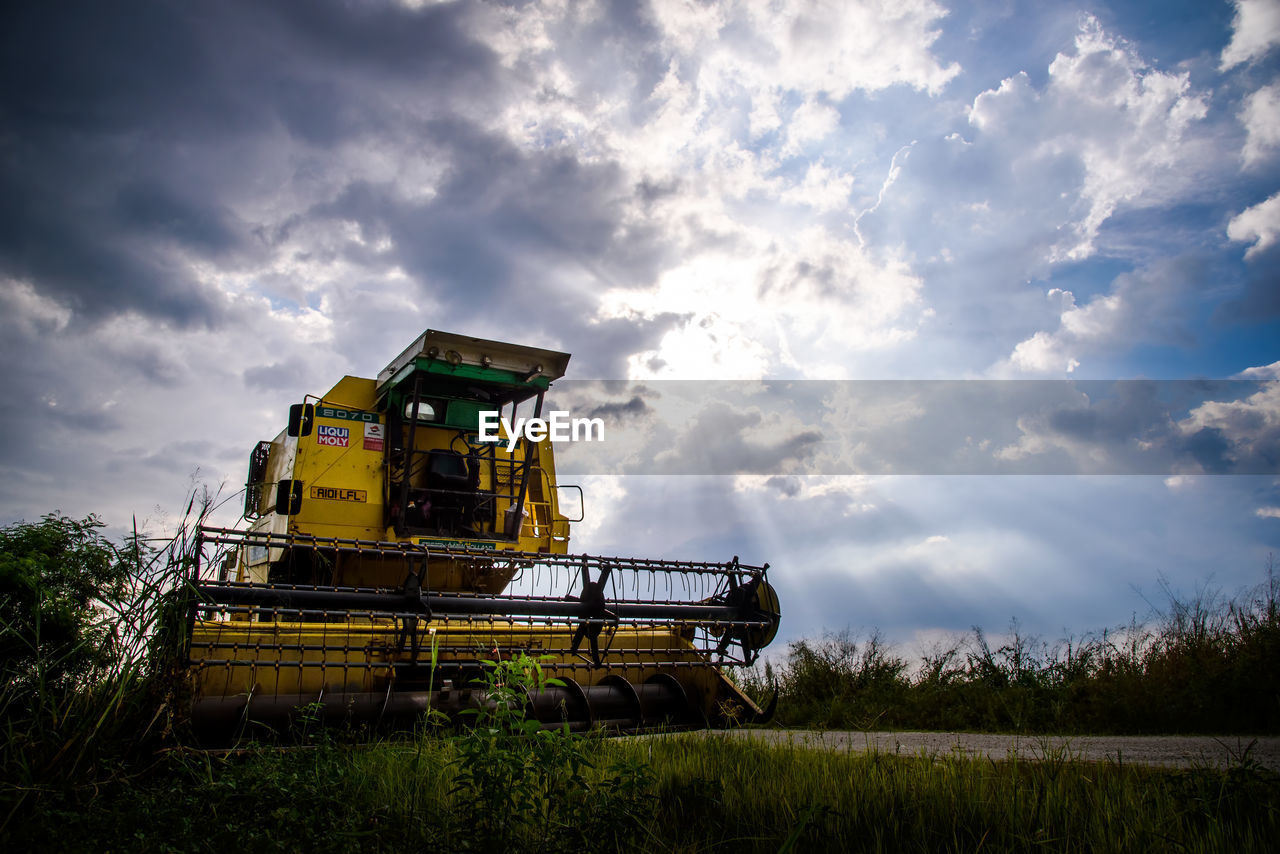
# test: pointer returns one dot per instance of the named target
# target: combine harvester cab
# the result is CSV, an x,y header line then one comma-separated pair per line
x,y
391,552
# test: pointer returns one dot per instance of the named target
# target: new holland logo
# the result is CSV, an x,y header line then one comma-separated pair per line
x,y
474,545
339,437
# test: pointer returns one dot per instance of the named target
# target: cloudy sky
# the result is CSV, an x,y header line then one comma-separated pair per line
x,y
211,209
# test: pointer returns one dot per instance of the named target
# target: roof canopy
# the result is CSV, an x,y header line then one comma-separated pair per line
x,y
475,358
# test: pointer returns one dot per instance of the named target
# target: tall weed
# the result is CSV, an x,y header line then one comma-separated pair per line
x,y
90,637
523,786
1202,664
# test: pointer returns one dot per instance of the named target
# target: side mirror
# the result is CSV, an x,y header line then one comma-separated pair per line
x,y
288,497
301,416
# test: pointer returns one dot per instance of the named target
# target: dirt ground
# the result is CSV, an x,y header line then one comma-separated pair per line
x,y
1176,751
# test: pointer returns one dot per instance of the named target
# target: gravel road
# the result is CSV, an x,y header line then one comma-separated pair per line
x,y
1175,751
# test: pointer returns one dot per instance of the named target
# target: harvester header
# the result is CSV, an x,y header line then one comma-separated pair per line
x,y
391,550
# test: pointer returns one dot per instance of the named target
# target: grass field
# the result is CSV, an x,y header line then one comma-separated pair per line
x,y
89,759
651,794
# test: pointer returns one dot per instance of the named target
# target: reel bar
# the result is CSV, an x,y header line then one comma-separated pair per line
x,y
288,591
629,664
429,604
453,652
343,618
228,536
380,618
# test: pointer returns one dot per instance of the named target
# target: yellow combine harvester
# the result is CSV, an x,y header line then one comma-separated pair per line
x,y
392,550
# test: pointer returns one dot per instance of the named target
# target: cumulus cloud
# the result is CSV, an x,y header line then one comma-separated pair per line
x,y
1261,120
1148,305
1254,31
1125,123
1258,225
1128,129
811,122
1261,372
1246,429
1055,169
742,89
811,46
1206,427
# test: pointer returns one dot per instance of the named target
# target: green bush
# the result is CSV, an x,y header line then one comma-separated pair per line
x,y
89,638
59,579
